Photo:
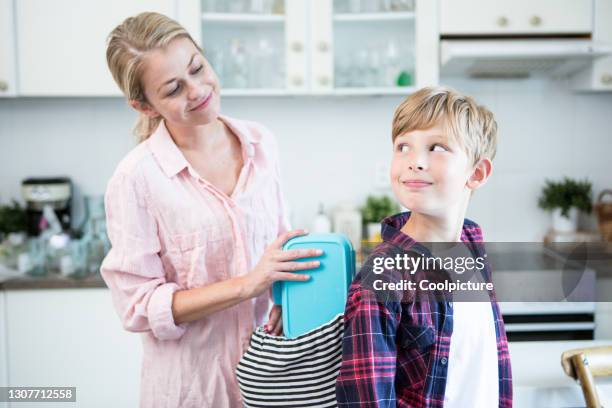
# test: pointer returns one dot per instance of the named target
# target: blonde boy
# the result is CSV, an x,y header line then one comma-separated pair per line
x,y
439,353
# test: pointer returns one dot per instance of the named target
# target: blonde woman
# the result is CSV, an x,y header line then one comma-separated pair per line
x,y
195,217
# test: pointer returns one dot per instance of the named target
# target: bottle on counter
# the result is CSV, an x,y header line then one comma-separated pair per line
x,y
347,221
321,223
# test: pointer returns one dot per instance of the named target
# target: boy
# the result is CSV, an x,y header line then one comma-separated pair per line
x,y
410,353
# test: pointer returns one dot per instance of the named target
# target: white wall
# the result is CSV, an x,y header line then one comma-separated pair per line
x,y
332,146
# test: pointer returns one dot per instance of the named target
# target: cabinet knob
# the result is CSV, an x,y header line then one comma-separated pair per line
x,y
323,46
297,47
3,86
535,21
502,21
324,80
297,80
606,79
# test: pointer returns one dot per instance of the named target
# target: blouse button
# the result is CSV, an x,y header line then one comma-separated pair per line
x,y
444,360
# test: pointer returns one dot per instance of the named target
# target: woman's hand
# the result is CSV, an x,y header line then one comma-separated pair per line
x,y
277,265
275,321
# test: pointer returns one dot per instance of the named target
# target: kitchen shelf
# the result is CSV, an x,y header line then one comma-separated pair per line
x,y
372,17
256,92
399,90
242,18
366,91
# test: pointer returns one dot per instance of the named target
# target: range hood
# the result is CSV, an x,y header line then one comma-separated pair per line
x,y
517,58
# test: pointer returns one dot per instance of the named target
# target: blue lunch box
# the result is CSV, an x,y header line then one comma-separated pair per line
x,y
307,305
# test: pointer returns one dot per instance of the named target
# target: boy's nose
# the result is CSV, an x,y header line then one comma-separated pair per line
x,y
417,163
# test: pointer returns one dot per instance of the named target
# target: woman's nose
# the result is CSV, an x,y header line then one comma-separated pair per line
x,y
194,91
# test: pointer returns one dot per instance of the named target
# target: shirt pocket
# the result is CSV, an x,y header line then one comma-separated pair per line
x,y
415,343
416,337
190,250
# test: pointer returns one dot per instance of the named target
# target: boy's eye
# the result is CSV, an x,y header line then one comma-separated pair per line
x,y
438,148
402,148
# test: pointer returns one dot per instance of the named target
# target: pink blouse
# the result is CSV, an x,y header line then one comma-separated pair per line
x,y
172,230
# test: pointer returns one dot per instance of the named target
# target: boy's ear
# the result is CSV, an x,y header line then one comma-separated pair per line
x,y
480,174
144,108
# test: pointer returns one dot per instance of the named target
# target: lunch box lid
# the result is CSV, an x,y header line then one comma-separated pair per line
x,y
307,305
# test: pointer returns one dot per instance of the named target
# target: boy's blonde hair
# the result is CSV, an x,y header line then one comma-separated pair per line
x,y
471,125
127,46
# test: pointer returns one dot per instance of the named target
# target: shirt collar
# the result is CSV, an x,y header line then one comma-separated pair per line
x,y
171,159
392,225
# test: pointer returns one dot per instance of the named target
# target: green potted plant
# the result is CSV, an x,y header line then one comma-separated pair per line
x,y
374,211
12,220
565,199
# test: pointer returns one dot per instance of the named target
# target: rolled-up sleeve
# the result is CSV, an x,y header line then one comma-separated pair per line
x,y
133,269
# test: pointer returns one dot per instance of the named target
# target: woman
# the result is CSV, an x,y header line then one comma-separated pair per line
x,y
195,217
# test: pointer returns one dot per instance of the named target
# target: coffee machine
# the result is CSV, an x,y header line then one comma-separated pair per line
x,y
39,192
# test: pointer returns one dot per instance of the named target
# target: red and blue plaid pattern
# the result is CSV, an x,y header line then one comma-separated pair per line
x,y
395,353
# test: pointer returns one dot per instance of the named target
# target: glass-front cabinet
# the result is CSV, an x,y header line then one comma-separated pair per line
x,y
292,47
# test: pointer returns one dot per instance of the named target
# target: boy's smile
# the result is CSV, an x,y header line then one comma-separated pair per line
x,y
429,171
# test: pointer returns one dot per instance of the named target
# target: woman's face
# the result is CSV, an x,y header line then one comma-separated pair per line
x,y
180,85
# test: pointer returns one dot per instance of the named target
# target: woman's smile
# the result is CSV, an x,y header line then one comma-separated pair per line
x,y
203,103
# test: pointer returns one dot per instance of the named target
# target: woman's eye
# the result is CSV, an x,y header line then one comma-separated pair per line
x,y
198,69
174,91
438,148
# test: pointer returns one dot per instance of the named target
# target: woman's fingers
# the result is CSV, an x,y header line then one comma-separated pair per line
x,y
298,266
280,241
289,276
277,329
273,318
292,254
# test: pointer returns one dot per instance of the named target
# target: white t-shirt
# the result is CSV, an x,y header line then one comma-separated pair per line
x,y
472,379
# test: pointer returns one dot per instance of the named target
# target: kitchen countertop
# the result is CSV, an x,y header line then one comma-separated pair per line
x,y
50,281
504,256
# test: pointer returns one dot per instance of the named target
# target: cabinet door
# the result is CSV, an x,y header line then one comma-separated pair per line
x,y
3,351
598,77
61,44
7,49
320,46
72,338
254,46
507,17
379,47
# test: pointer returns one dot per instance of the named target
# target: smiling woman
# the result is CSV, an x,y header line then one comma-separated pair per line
x,y
196,219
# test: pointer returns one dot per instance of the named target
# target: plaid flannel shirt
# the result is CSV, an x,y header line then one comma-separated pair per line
x,y
395,353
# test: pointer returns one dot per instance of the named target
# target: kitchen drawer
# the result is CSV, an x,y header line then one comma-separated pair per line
x,y
515,17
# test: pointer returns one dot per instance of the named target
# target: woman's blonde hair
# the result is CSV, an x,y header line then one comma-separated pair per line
x,y
127,46
471,125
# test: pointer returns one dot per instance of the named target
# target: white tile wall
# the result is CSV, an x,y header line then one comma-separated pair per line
x,y
331,146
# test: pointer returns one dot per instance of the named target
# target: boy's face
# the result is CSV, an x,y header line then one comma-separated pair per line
x,y
429,172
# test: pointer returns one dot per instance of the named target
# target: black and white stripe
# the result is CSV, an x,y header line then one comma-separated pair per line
x,y
301,372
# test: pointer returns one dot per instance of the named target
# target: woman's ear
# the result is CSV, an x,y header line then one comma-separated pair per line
x,y
144,108
480,174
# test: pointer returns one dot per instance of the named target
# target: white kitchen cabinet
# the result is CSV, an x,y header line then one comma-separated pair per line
x,y
598,77
510,17
61,44
322,47
72,337
7,49
3,351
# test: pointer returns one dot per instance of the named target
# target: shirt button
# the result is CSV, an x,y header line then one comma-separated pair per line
x,y
444,360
